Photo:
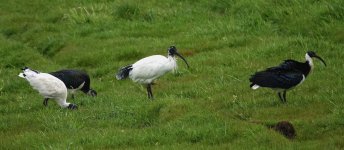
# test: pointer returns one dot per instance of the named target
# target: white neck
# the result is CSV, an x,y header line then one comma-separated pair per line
x,y
171,57
63,103
310,61
172,62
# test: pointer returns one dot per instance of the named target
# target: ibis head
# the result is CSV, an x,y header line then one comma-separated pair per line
x,y
25,68
172,50
28,72
314,55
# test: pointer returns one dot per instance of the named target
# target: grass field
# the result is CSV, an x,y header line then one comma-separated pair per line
x,y
209,106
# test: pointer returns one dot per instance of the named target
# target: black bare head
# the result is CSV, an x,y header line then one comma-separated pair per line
x,y
312,54
92,92
172,50
25,68
72,106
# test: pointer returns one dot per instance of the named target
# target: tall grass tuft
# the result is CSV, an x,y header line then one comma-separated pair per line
x,y
133,12
80,15
51,46
127,11
221,6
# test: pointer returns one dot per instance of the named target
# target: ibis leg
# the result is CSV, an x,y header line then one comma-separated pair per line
x,y
280,96
72,91
45,101
285,96
149,91
148,94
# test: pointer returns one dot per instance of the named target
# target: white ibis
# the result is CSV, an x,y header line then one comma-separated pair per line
x,y
286,76
146,70
48,86
75,80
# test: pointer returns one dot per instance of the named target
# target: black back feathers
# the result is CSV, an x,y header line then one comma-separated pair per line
x,y
73,79
288,74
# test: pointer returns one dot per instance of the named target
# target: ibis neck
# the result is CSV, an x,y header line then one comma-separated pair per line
x,y
62,102
171,57
307,66
172,62
309,61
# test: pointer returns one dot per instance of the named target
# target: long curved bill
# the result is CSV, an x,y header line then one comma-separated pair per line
x,y
183,59
320,59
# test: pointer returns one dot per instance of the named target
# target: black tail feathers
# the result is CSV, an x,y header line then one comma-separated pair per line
x,y
124,72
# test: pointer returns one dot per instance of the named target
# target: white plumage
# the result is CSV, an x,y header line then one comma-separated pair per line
x,y
48,86
148,69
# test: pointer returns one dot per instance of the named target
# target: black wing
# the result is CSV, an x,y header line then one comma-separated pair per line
x,y
286,66
284,76
73,78
277,80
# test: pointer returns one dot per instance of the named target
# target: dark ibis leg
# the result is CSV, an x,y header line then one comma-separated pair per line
x,y
45,101
280,96
148,94
72,91
285,96
149,91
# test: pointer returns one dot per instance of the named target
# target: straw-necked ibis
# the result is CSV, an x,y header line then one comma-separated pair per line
x,y
146,70
75,80
48,86
286,76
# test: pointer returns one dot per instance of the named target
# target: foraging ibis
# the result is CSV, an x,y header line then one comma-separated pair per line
x,y
75,80
286,76
48,86
146,70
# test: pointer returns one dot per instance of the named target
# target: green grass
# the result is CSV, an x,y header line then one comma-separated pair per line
x,y
209,106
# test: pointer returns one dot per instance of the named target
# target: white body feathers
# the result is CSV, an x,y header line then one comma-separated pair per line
x,y
146,70
47,85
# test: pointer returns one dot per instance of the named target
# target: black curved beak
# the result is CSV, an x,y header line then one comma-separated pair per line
x,y
183,59
318,57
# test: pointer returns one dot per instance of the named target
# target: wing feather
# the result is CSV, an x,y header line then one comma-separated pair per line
x,y
276,80
283,76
